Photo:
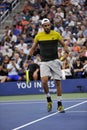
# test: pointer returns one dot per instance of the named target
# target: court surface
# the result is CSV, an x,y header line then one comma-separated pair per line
x,y
32,115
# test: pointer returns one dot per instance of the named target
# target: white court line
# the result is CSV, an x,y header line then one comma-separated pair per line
x,y
45,117
77,111
42,100
36,101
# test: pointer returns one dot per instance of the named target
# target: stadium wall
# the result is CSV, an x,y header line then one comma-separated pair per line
x,y
21,88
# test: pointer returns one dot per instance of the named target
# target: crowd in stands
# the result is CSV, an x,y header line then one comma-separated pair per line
x,y
69,17
6,8
5,5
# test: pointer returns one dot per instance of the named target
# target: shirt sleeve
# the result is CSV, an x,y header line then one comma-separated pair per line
x,y
59,36
36,39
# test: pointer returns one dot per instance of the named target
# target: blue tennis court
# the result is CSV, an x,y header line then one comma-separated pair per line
x,y
32,115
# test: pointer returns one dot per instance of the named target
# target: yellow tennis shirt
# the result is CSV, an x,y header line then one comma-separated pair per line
x,y
48,44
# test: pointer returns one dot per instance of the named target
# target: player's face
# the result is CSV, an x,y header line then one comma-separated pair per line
x,y
47,27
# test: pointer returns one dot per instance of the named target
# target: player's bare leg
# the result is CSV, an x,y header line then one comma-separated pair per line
x,y
46,90
59,95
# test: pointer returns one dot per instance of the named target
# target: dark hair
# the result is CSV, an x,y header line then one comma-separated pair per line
x,y
38,73
85,43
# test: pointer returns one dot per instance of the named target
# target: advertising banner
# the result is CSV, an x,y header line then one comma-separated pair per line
x,y
35,87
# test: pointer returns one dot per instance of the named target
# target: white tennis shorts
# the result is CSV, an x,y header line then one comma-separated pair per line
x,y
51,69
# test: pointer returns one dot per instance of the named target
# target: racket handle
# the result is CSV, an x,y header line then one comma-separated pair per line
x,y
27,76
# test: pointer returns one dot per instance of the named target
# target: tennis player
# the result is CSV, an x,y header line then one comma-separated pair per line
x,y
48,41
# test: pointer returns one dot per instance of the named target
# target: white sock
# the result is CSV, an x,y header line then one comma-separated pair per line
x,y
59,98
48,95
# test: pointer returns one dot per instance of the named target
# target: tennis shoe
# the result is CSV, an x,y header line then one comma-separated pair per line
x,y
61,109
49,106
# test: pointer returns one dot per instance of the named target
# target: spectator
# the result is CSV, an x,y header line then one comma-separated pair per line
x,y
35,17
1,57
40,28
26,51
60,53
57,3
81,39
21,45
66,69
15,30
7,30
34,71
83,54
7,41
43,3
19,25
24,22
22,55
85,44
77,69
7,51
60,12
27,7
71,59
13,71
13,37
36,4
17,58
76,49
3,68
85,69
66,33
65,2
3,7
72,39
